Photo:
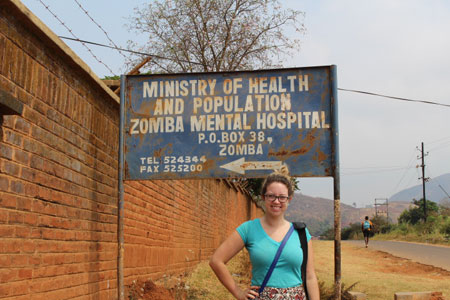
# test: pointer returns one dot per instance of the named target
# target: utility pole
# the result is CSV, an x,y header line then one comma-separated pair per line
x,y
382,207
424,179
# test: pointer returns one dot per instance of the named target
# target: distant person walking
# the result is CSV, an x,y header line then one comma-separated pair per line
x,y
366,227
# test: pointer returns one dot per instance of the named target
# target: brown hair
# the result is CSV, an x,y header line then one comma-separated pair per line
x,y
281,176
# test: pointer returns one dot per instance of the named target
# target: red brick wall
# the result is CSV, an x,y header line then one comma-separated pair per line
x,y
170,226
58,173
58,183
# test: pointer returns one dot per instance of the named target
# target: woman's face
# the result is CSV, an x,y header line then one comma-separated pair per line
x,y
278,192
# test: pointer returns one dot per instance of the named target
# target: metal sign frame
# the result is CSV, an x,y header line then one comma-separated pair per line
x,y
228,124
163,117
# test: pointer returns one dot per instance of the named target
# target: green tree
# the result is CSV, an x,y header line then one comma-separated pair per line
x,y
328,234
413,215
212,35
351,231
380,224
444,207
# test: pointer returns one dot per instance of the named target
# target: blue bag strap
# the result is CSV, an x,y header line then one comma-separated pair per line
x,y
275,259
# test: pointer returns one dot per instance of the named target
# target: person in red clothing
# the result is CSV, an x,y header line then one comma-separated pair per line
x,y
366,227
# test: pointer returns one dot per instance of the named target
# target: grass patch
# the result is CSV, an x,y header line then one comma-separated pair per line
x,y
202,283
379,275
421,233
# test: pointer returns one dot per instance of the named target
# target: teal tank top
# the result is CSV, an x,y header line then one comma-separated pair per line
x,y
262,249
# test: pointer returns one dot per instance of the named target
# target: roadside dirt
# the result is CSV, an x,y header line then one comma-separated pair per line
x,y
392,264
148,290
378,274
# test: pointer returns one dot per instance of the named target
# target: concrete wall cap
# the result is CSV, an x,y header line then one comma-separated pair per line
x,y
50,35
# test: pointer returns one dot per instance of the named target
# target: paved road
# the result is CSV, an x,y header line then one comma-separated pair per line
x,y
438,256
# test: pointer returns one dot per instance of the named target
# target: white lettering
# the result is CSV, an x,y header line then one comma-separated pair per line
x,y
134,125
219,122
322,116
315,123
169,106
157,125
240,149
150,91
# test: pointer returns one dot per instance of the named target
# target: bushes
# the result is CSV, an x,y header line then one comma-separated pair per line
x,y
411,226
445,227
436,230
445,230
415,214
353,231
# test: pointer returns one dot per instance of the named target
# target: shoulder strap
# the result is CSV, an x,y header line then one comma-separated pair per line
x,y
275,259
300,227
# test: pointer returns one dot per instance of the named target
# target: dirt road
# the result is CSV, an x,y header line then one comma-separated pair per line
x,y
433,255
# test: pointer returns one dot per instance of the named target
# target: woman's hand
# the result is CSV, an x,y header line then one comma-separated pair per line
x,y
250,293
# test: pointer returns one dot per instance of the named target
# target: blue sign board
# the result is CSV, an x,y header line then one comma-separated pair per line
x,y
229,124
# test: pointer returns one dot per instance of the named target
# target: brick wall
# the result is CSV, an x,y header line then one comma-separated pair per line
x,y
170,226
58,182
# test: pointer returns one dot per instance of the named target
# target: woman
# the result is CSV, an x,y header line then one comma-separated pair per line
x,y
262,238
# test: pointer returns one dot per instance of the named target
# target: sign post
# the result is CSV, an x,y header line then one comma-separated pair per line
x,y
232,124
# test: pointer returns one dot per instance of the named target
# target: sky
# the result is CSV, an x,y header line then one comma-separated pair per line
x,y
394,48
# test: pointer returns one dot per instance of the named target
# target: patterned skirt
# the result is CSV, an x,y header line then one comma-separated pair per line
x,y
292,293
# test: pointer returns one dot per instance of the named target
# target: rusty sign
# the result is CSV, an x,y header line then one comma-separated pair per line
x,y
230,124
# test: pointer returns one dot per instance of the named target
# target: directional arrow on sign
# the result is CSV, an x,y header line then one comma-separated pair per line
x,y
240,165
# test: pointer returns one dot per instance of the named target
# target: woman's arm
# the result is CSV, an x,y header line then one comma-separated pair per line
x,y
311,278
227,250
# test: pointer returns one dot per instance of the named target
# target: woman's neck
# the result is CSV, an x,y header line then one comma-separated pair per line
x,y
274,221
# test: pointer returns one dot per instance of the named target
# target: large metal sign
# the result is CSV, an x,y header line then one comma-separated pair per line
x,y
234,124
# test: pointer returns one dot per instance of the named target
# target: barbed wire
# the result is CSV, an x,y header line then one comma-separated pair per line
x,y
131,51
101,28
192,62
47,7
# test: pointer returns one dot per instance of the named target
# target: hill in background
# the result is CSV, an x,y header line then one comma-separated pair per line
x,y
436,190
318,213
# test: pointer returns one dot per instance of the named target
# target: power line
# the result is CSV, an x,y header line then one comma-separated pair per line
x,y
440,140
359,168
131,51
71,32
98,25
395,98
438,183
444,191
378,171
409,166
197,63
442,145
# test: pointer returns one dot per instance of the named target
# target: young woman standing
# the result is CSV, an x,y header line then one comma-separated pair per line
x,y
262,238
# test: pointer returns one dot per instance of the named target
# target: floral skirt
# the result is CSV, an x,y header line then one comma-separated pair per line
x,y
292,293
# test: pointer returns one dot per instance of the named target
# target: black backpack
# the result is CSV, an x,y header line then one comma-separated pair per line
x,y
300,227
